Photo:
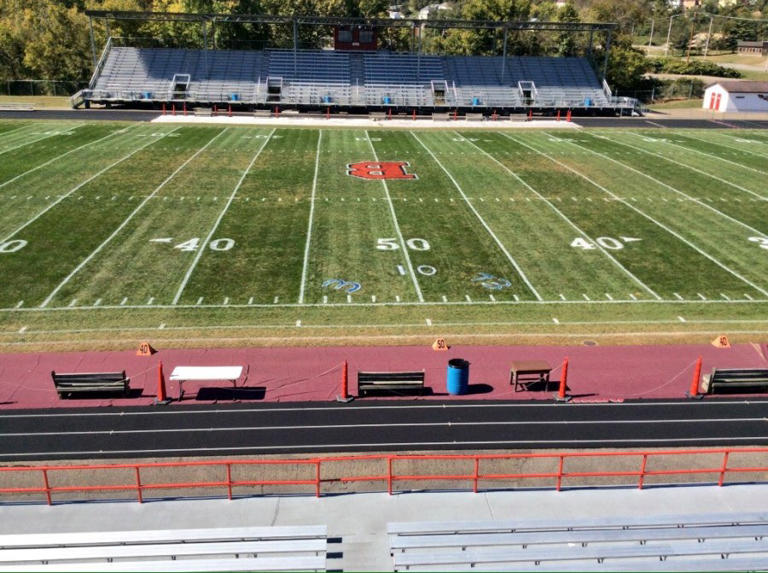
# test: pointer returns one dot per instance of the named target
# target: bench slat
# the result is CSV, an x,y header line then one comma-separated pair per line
x,y
389,381
37,555
583,536
162,535
306,563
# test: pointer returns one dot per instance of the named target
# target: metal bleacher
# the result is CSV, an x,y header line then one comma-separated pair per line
x,y
280,548
715,542
336,78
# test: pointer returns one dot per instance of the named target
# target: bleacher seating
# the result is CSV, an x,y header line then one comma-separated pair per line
x,y
324,77
280,548
710,543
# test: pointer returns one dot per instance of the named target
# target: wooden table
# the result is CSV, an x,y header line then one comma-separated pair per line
x,y
524,372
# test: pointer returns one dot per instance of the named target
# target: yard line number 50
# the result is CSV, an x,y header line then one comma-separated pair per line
x,y
415,244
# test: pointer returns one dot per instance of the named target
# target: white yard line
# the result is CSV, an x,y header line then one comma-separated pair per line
x,y
223,212
120,131
80,185
39,139
501,246
684,166
712,142
643,214
570,222
4,133
673,189
305,265
98,249
403,246
699,152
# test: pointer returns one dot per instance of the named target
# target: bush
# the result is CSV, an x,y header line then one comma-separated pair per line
x,y
692,68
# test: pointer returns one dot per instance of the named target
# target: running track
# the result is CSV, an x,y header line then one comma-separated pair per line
x,y
375,426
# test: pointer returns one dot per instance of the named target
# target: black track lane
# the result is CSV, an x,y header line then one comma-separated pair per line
x,y
375,426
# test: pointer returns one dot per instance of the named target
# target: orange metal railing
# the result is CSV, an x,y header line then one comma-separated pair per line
x,y
686,463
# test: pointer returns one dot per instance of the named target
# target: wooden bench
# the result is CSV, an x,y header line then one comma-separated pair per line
x,y
523,373
389,382
71,383
742,379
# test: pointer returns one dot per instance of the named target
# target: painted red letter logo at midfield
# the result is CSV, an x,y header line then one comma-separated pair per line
x,y
380,170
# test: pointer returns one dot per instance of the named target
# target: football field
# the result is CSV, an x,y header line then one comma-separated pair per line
x,y
114,232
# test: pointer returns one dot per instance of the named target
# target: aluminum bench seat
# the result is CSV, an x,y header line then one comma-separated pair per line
x,y
161,536
303,563
404,542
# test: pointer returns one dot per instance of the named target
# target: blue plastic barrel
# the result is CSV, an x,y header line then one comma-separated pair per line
x,y
457,377
234,97
327,99
147,95
387,100
475,101
588,102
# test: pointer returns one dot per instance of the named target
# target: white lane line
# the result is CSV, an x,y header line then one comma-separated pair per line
x,y
81,185
54,134
305,265
571,223
406,445
643,214
673,189
442,424
704,153
496,239
403,247
127,220
201,250
20,175
684,166
24,126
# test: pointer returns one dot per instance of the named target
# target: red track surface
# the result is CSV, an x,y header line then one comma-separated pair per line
x,y
301,374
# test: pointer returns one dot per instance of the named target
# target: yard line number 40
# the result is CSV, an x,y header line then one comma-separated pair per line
x,y
415,244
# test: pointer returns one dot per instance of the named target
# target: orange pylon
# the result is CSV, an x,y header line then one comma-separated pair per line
x,y
561,397
161,395
693,392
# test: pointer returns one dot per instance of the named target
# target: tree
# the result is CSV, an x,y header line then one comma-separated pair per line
x,y
566,41
626,66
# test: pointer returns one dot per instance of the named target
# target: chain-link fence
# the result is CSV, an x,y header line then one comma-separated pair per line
x,y
41,87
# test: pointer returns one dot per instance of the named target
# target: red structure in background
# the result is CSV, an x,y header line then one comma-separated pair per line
x,y
552,466
356,37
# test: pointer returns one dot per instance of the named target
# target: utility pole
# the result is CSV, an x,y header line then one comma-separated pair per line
x,y
690,39
650,40
709,35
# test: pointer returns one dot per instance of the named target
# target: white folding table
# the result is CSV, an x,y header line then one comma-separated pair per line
x,y
183,374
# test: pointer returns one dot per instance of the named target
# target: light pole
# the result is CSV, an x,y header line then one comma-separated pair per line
x,y
709,35
669,32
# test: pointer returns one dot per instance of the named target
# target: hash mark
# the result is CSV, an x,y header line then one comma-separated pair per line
x,y
467,297
250,300
276,299
162,326
517,298
98,302
725,296
493,298
562,297
199,300
22,329
681,319
677,296
397,298
298,323
226,300
19,304
608,296
74,302
445,298
633,297
122,302
373,298
585,296
325,299
151,300
745,296
428,321
555,320
701,296
349,298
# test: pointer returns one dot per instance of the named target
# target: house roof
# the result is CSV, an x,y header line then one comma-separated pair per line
x,y
743,86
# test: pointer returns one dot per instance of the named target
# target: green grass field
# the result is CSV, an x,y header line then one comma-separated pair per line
x,y
189,235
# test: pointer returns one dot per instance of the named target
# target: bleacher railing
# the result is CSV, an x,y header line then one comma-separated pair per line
x,y
383,472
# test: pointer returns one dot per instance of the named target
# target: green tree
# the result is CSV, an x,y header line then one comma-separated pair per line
x,y
566,41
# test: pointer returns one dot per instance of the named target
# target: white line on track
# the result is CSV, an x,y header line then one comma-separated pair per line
x,y
485,404
684,166
403,246
704,153
565,218
643,214
201,250
441,424
406,445
20,175
305,264
122,225
496,239
40,138
670,187
80,186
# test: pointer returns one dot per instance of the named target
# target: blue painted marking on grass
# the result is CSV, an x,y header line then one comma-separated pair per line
x,y
341,284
